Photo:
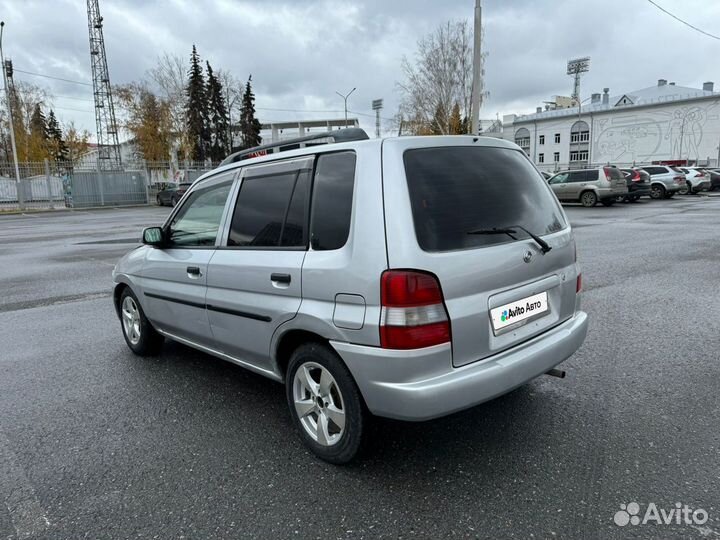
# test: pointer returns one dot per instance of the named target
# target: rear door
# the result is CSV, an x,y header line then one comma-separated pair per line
x,y
437,194
254,279
577,181
175,276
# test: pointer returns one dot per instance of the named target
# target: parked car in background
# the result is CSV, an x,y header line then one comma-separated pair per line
x,y
696,180
665,181
590,186
638,183
546,175
437,273
172,193
714,178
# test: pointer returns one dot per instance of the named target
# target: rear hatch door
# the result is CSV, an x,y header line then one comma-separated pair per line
x,y
443,198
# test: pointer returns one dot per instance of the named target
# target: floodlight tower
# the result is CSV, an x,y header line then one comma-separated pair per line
x,y
107,133
377,105
576,68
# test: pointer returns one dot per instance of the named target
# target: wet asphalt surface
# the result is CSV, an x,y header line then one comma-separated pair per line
x,y
97,443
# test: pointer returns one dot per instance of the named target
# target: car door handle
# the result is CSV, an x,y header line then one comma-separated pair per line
x,y
280,278
194,271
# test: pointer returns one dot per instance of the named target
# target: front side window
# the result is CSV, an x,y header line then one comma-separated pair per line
x,y
457,190
198,219
577,176
332,200
271,210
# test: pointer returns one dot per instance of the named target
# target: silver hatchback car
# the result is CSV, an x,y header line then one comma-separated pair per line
x,y
408,278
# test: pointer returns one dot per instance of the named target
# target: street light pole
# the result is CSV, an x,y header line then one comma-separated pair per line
x,y
345,98
21,198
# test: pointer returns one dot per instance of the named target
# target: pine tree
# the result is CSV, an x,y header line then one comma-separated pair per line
x,y
197,109
217,117
455,126
38,140
249,125
438,124
58,148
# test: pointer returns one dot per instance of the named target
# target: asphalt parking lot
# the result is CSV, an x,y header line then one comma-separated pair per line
x,y
97,443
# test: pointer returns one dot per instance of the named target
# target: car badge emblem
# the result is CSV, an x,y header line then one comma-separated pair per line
x,y
528,256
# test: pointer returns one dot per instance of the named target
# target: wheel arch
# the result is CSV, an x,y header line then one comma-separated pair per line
x,y
287,342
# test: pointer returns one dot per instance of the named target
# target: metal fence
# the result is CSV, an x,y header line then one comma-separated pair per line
x,y
54,185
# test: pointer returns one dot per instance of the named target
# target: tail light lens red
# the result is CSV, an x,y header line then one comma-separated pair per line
x,y
413,311
636,177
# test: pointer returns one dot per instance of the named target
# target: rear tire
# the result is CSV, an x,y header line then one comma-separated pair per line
x,y
686,189
173,201
657,192
325,403
588,199
139,334
158,200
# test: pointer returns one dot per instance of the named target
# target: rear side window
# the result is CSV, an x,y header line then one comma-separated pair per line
x,y
577,176
655,170
592,176
271,211
332,200
456,190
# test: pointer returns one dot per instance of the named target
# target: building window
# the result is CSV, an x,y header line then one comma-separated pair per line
x,y
541,158
522,139
556,156
557,138
542,139
581,136
578,155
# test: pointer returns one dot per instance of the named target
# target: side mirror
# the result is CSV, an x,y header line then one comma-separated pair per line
x,y
153,236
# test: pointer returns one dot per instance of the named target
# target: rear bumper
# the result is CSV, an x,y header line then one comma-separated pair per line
x,y
639,191
422,384
702,186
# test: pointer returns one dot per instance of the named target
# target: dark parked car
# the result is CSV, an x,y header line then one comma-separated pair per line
x,y
172,194
714,178
638,183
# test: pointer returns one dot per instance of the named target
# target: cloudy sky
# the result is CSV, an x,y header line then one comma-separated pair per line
x,y
301,51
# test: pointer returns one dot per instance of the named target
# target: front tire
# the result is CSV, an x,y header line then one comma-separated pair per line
x,y
686,189
588,199
174,200
139,334
158,200
325,403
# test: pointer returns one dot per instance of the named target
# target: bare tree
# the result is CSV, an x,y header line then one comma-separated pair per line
x,y
233,89
439,77
170,77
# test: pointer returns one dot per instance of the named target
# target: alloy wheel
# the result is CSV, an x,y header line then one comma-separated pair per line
x,y
319,403
131,320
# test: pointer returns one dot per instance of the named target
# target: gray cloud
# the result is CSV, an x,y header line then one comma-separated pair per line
x,y
300,52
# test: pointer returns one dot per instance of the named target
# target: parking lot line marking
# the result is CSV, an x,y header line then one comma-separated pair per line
x,y
18,495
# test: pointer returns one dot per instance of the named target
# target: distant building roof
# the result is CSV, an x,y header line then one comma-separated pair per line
x,y
653,95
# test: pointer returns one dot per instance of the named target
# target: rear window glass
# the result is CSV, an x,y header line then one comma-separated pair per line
x,y
592,176
456,190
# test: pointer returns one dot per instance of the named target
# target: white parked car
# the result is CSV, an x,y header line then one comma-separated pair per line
x,y
696,180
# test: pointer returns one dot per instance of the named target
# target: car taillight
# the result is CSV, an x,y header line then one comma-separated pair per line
x,y
578,283
700,174
606,170
636,177
413,312
678,179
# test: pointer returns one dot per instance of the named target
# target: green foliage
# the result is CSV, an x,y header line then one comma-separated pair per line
x,y
217,118
249,125
197,110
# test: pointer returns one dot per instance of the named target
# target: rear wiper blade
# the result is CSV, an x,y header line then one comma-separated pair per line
x,y
510,231
495,230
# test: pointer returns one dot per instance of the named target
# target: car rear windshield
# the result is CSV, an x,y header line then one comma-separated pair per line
x,y
459,189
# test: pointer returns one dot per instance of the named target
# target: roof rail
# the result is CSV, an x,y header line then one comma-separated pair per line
x,y
327,137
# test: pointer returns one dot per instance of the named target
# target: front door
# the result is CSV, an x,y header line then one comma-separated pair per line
x,y
175,276
575,184
558,183
254,278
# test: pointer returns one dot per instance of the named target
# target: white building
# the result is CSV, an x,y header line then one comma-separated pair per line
x,y
665,122
278,131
